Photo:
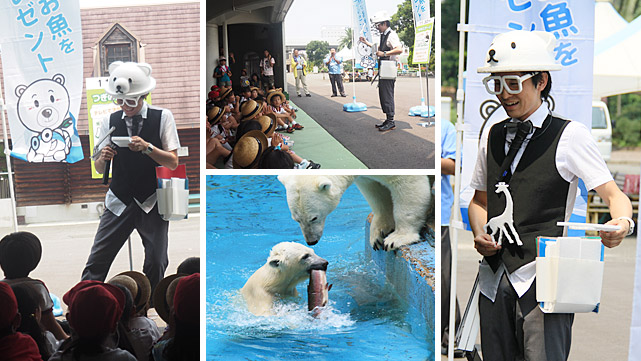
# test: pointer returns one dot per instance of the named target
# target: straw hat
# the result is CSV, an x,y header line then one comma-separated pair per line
x,y
215,114
268,124
141,294
163,301
248,150
274,92
224,92
249,109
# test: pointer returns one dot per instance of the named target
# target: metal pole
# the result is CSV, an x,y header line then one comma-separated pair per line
x,y
7,153
131,260
456,221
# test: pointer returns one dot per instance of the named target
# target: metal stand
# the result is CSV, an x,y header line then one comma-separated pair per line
x,y
131,259
354,106
7,153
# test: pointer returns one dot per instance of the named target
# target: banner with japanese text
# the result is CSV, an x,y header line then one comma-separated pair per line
x,y
572,23
423,41
364,57
41,48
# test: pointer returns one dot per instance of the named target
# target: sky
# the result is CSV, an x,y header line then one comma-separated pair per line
x,y
305,17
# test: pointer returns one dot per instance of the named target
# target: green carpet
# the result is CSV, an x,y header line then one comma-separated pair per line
x,y
316,144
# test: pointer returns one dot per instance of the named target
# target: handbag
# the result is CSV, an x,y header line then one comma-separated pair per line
x,y
172,193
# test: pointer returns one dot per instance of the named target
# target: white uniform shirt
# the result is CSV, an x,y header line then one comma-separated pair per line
x,y
577,156
170,142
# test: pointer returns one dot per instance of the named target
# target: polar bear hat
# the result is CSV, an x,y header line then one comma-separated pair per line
x,y
521,50
129,79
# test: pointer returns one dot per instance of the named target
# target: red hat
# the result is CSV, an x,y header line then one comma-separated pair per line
x,y
187,300
8,305
94,308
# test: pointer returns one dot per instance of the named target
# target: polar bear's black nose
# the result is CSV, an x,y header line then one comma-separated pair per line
x,y
320,264
46,113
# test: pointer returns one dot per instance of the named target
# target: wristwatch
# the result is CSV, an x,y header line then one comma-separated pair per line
x,y
631,224
150,148
385,53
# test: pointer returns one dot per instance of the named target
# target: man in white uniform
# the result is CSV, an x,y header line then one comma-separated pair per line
x,y
131,200
542,170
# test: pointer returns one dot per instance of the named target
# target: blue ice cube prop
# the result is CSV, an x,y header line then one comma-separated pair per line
x,y
354,106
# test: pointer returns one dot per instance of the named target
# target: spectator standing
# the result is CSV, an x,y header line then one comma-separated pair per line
x,y
334,63
222,73
267,70
299,68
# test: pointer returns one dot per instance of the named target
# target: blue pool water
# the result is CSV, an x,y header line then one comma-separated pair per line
x,y
365,319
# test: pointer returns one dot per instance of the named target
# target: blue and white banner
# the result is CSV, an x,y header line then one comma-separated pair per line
x,y
41,47
364,57
421,10
572,23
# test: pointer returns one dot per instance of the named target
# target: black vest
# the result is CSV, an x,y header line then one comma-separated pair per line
x,y
539,193
383,45
133,173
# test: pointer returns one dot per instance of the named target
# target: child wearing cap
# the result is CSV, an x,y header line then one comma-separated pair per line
x,y
275,99
20,253
30,320
182,341
94,309
14,345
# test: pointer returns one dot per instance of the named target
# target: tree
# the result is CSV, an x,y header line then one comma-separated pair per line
x,y
629,9
316,51
346,40
403,23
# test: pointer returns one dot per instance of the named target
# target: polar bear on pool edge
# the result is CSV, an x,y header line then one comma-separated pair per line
x,y
400,205
288,264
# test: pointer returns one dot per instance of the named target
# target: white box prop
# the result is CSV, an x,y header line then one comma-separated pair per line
x,y
173,193
569,274
387,69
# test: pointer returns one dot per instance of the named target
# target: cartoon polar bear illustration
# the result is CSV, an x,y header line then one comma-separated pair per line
x,y
43,108
400,205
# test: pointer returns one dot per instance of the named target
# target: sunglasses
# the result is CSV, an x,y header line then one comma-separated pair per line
x,y
130,102
513,84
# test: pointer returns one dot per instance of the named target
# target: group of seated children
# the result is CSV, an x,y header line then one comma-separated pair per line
x,y
242,130
103,322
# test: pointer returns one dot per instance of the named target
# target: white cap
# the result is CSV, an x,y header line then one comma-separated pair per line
x,y
521,50
128,80
380,16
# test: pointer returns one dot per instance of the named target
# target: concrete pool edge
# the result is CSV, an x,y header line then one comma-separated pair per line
x,y
411,271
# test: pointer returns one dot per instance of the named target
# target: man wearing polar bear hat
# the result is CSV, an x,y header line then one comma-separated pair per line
x,y
535,159
131,200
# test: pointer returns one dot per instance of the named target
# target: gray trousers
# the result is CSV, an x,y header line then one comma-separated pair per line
x,y
112,234
386,96
301,79
515,328
337,81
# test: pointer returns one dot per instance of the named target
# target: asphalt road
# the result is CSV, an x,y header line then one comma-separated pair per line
x,y
409,146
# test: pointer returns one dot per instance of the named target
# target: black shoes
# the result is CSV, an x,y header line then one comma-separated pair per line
x,y
343,95
299,95
457,353
307,95
388,125
313,165
334,95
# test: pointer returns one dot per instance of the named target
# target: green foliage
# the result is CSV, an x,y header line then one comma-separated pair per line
x,y
450,14
403,23
449,67
627,125
629,9
347,66
316,51
346,40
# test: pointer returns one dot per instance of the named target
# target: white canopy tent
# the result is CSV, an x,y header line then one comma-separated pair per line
x,y
346,53
617,69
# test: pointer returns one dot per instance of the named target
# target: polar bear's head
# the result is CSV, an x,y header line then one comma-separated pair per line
x,y
290,263
43,104
310,200
129,79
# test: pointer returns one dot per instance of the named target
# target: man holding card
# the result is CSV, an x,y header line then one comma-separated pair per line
x,y
525,181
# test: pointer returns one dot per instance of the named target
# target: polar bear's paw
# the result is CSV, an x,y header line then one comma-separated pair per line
x,y
379,229
396,240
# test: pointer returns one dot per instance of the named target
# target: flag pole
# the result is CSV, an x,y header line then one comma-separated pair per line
x,y
7,153
354,106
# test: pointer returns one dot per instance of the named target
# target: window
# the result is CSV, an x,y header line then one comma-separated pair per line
x,y
117,44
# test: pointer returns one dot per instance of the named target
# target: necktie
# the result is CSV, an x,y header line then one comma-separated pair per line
x,y
135,124
522,130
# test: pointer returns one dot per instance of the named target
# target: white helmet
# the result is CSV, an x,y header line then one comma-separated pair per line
x,y
380,16
521,50
129,80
